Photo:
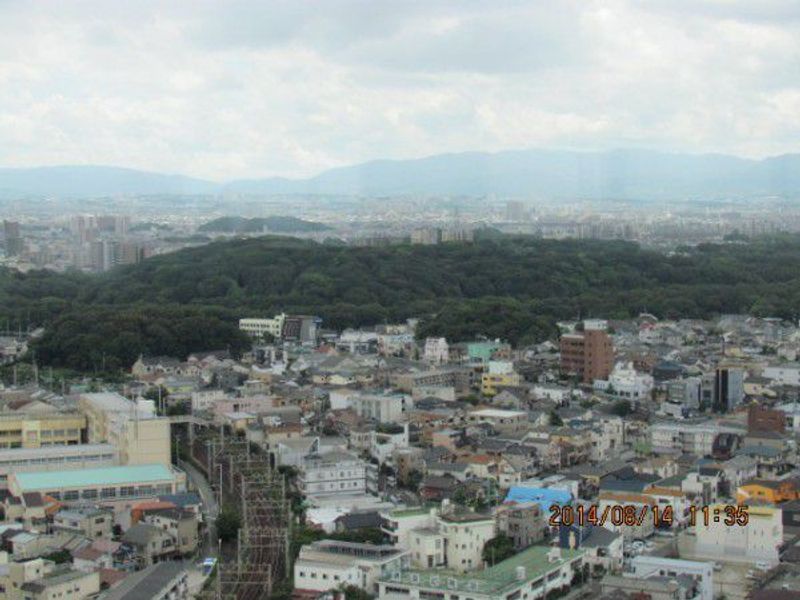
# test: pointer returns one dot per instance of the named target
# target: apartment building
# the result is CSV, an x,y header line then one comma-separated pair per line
x,y
329,564
588,354
140,436
332,474
760,540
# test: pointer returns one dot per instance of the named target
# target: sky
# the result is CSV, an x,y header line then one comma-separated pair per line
x,y
240,89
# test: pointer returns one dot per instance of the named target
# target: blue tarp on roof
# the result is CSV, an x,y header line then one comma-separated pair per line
x,y
544,497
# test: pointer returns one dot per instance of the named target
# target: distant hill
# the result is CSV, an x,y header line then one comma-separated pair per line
x,y
97,181
272,224
622,174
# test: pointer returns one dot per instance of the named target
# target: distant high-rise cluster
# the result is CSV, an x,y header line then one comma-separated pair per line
x,y
101,244
14,244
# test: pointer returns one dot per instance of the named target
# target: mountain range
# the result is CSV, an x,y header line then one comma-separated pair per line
x,y
620,174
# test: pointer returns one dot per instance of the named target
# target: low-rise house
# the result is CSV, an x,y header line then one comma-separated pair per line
x,y
164,581
89,522
62,583
180,524
525,524
152,544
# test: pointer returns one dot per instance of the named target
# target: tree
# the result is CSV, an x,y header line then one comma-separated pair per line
x,y
622,408
352,592
555,419
228,523
498,549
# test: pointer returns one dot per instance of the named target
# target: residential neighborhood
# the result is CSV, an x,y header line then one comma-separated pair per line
x,y
636,458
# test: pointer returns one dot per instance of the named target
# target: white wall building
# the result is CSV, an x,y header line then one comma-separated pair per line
x,y
332,474
626,383
784,374
436,351
655,566
759,540
329,564
385,408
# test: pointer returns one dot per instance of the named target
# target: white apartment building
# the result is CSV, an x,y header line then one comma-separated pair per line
x,y
783,374
655,566
385,408
689,437
759,540
465,534
259,327
626,383
608,436
436,351
329,564
332,474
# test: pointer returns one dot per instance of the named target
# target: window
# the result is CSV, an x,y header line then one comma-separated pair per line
x,y
108,493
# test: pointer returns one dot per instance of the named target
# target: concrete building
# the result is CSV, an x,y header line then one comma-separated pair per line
x,y
503,420
783,374
524,524
759,540
35,430
86,521
260,327
62,583
625,383
96,485
465,535
532,574
329,564
436,351
385,408
332,474
728,389
690,436
140,436
588,354
655,566
164,581
56,458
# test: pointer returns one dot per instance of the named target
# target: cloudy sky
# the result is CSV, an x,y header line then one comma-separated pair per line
x,y
229,89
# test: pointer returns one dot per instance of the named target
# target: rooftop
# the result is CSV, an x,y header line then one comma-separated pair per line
x,y
132,474
494,580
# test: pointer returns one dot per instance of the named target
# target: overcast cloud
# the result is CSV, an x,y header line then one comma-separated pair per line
x,y
223,90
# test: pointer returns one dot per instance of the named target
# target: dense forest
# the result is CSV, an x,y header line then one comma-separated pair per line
x,y
513,287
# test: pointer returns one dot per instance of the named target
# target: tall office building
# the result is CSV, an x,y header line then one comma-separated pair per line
x,y
589,354
728,391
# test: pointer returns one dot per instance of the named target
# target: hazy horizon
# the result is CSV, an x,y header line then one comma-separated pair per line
x,y
246,89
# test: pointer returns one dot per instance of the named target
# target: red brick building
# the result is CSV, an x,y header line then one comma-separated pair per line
x,y
589,354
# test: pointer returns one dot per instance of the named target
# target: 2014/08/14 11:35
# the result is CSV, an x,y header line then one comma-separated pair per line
x,y
635,515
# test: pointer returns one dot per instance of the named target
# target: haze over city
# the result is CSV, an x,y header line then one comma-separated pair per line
x,y
394,300
245,89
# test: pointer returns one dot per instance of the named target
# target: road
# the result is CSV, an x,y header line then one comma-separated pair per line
x,y
210,507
